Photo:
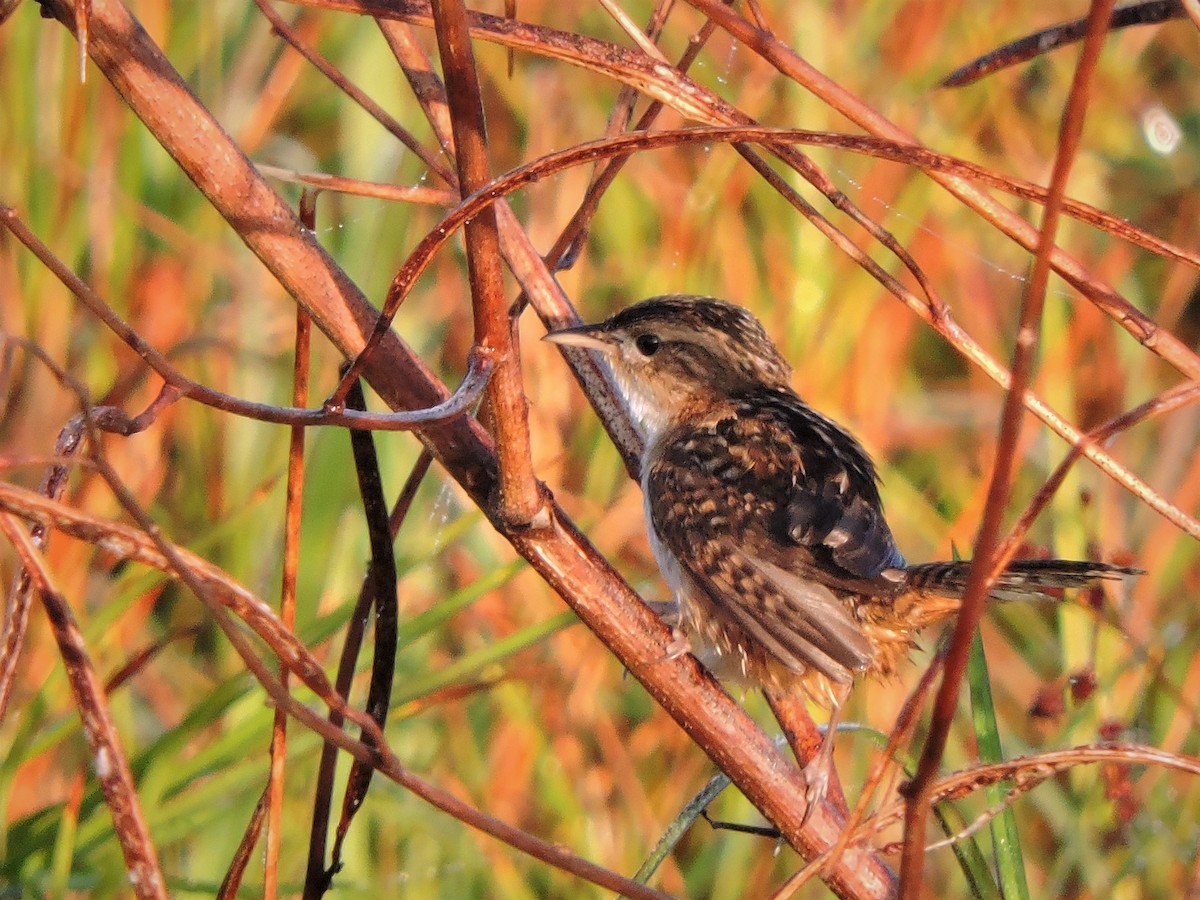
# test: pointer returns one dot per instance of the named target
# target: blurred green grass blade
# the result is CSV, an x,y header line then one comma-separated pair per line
x,y
1010,862
971,858
679,826
469,665
423,623
62,855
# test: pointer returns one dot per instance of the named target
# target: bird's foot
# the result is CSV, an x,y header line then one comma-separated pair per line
x,y
680,645
816,776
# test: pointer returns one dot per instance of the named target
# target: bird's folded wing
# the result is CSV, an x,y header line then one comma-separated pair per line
x,y
801,623
833,506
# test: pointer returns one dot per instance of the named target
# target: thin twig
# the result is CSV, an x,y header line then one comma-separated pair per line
x,y
1044,41
386,602
293,505
244,855
111,766
635,34
390,192
985,566
480,364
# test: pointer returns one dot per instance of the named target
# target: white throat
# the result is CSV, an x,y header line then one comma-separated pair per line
x,y
649,413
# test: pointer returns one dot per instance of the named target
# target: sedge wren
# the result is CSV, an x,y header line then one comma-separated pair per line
x,y
765,516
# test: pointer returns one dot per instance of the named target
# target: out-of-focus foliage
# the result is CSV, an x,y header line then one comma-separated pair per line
x,y
550,736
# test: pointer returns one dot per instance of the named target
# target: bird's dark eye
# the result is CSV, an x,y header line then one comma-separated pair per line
x,y
647,344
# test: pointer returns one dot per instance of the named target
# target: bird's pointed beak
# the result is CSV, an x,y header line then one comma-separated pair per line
x,y
592,337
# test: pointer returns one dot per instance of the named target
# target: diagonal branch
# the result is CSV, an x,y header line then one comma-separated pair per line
x,y
154,91
112,766
985,566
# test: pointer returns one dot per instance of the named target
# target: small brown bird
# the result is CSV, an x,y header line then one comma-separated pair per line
x,y
765,515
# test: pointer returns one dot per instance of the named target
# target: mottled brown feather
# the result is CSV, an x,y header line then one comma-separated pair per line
x,y
765,515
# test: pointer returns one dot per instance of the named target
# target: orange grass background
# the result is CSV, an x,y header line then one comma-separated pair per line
x,y
499,698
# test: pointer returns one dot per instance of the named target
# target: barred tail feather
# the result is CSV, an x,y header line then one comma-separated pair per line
x,y
1025,579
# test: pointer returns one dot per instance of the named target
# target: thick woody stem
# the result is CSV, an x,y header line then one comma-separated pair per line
x,y
155,92
519,498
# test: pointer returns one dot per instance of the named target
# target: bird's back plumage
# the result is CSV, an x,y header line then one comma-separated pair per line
x,y
772,512
790,574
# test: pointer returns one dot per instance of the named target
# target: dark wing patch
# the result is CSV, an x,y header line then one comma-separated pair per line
x,y
833,507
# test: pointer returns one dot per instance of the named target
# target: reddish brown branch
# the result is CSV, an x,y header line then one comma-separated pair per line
x,y
108,757
804,737
518,499
244,855
293,506
393,193
1028,771
986,566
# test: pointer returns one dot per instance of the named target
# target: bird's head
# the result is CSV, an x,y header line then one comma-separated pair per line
x,y
674,355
